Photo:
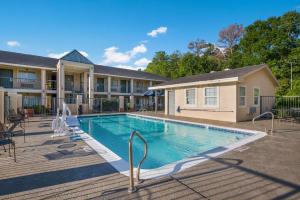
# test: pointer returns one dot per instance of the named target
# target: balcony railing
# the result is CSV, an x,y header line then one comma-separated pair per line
x,y
19,83
71,86
100,88
51,85
140,90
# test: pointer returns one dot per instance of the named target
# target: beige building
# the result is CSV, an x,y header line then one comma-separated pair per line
x,y
36,81
231,95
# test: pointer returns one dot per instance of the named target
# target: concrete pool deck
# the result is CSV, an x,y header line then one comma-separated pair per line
x,y
47,168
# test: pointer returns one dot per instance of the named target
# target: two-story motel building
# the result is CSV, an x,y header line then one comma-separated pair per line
x,y
56,80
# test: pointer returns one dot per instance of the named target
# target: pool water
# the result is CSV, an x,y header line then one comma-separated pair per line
x,y
168,141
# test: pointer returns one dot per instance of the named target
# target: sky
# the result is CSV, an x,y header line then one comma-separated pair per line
x,y
123,33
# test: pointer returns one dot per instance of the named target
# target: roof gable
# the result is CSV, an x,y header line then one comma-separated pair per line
x,y
75,56
268,72
216,76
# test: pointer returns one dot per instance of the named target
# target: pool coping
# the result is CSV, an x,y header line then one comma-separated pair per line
x,y
122,165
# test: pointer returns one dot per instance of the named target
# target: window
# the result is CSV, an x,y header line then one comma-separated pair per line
x,y
100,85
242,96
256,94
211,96
24,75
190,96
69,83
114,85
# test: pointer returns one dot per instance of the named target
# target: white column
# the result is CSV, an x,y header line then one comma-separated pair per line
x,y
78,103
109,87
131,86
13,96
166,102
61,84
121,103
150,97
155,101
85,82
43,86
19,101
2,105
91,88
131,102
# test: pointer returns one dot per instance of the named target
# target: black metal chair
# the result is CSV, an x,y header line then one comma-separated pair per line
x,y
23,115
17,120
6,139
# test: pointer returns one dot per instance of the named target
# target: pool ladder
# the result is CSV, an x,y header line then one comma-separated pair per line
x,y
265,113
132,188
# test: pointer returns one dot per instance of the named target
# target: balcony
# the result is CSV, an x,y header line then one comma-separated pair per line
x,y
74,87
121,89
19,83
100,88
51,85
140,90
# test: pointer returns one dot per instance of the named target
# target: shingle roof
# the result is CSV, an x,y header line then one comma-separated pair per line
x,y
76,56
26,59
127,72
238,72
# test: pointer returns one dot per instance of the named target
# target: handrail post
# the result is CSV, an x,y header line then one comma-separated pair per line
x,y
132,187
272,114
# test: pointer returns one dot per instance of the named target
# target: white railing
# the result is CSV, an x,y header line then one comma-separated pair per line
x,y
132,187
259,116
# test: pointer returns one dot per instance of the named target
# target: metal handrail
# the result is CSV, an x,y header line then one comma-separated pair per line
x,y
132,188
259,116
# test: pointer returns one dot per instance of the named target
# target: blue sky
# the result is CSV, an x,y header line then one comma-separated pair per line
x,y
117,32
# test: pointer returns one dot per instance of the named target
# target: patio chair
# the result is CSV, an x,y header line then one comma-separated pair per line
x,y
6,139
13,118
23,114
11,130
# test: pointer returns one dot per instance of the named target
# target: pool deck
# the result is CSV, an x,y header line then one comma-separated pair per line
x,y
47,168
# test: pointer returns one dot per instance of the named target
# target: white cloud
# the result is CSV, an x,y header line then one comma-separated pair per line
x,y
130,67
157,31
59,55
13,43
84,53
138,49
113,55
143,62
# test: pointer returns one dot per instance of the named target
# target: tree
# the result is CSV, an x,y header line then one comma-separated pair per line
x,y
274,41
231,35
164,64
198,46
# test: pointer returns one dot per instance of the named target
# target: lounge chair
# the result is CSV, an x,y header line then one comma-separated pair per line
x,y
6,139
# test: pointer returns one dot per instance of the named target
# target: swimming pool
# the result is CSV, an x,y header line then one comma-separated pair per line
x,y
169,141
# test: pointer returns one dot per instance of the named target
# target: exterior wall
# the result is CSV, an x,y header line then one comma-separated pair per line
x,y
17,70
105,82
225,111
50,84
261,80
